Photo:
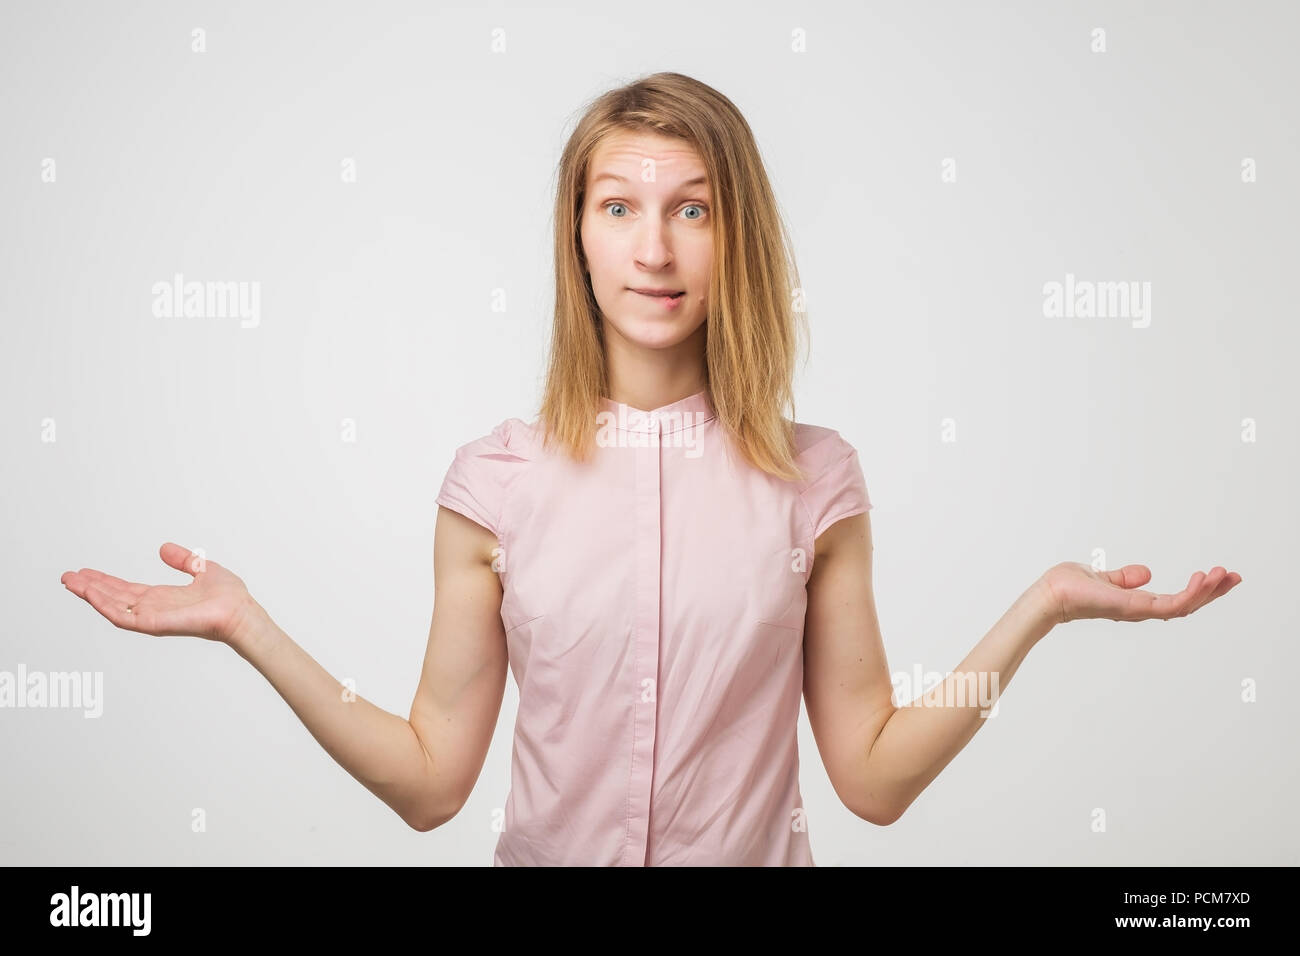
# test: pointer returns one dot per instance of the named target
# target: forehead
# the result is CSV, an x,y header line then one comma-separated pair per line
x,y
624,153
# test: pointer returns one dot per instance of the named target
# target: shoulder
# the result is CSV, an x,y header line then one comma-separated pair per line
x,y
484,470
818,451
512,438
833,486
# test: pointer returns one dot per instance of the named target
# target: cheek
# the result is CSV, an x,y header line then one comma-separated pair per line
x,y
597,252
584,246
702,266
588,241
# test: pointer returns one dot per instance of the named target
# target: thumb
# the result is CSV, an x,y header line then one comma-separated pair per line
x,y
182,559
1129,576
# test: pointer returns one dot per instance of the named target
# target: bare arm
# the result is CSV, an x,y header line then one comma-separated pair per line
x,y
879,756
423,768
886,755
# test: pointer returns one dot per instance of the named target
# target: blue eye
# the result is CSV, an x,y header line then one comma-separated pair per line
x,y
703,209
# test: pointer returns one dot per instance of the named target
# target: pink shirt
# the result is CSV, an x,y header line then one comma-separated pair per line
x,y
653,604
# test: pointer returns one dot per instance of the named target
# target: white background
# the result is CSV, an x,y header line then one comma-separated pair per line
x,y
925,302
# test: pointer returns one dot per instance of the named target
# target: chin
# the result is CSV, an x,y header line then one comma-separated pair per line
x,y
661,334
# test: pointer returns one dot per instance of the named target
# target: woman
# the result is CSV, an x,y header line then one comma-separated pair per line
x,y
664,559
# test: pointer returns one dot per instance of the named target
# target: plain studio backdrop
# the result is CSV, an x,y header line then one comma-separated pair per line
x,y
382,177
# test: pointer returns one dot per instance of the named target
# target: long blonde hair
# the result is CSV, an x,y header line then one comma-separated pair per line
x,y
752,323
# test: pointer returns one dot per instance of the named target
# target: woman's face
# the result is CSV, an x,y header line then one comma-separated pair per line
x,y
647,223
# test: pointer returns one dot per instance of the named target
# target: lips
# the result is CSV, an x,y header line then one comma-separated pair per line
x,y
661,293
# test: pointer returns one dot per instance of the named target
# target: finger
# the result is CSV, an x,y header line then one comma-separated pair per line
x,y
113,585
1129,576
1197,594
110,591
1208,585
76,582
1212,583
1230,581
1192,596
114,610
182,559
1146,605
1189,596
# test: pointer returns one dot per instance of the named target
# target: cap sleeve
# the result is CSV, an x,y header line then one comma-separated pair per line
x,y
834,486
477,483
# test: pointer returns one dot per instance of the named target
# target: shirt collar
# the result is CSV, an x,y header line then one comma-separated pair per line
x,y
685,413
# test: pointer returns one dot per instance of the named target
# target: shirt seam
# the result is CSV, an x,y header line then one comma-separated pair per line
x,y
636,669
507,493
811,538
811,519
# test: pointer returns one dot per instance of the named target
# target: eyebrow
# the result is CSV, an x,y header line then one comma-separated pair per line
x,y
697,181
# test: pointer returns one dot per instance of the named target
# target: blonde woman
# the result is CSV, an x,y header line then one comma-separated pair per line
x,y
664,559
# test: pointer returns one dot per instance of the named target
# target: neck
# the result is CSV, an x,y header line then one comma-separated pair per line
x,y
652,378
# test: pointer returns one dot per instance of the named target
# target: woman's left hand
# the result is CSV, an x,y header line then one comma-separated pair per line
x,y
1080,592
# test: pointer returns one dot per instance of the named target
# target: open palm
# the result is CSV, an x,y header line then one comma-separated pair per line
x,y
211,606
1082,592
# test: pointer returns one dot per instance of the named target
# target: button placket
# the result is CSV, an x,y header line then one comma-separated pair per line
x,y
645,637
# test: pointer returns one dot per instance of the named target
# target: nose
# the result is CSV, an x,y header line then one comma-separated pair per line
x,y
652,250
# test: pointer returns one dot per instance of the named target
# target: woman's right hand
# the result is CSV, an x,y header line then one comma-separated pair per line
x,y
215,605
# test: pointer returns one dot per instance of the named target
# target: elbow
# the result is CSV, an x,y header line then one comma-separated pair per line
x,y
880,815
866,805
426,823
431,817
888,817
